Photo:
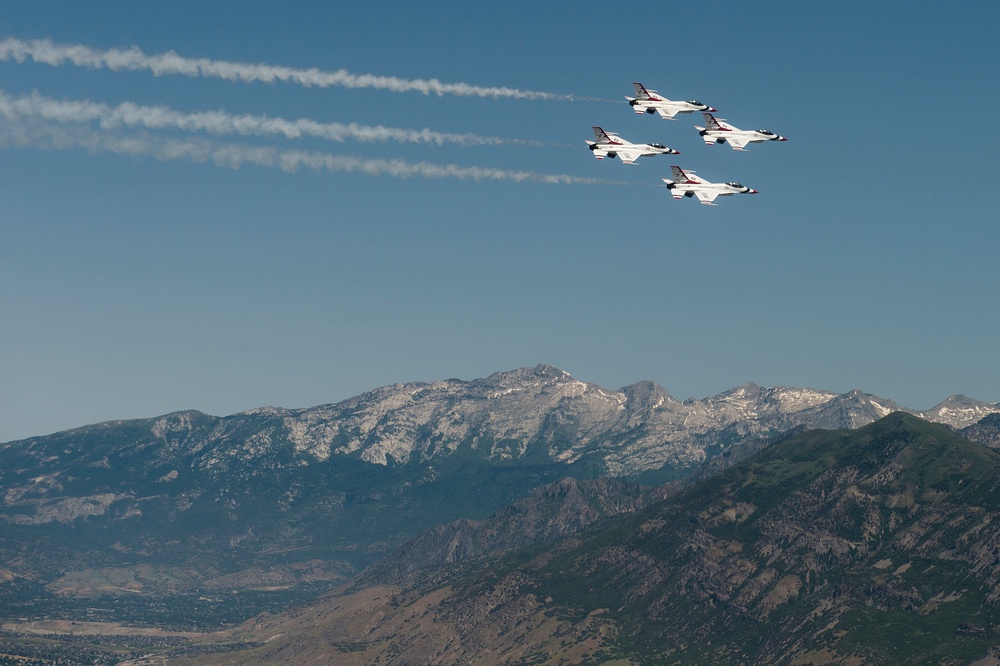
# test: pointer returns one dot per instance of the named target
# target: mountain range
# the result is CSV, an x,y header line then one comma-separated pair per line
x,y
272,498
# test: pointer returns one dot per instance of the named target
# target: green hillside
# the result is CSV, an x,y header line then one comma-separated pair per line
x,y
874,546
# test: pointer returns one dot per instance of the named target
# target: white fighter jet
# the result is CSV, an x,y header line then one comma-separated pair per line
x,y
687,184
719,131
649,101
609,144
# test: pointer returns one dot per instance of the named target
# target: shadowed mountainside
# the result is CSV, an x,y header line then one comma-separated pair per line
x,y
878,546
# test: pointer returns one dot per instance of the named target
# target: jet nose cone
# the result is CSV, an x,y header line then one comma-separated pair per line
x,y
753,191
674,152
712,109
782,138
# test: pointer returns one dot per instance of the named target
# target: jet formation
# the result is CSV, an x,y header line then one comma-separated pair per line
x,y
684,183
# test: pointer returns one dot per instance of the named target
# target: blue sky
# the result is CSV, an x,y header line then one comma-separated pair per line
x,y
132,285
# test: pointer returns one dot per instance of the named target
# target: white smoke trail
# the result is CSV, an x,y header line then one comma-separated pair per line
x,y
131,59
36,134
130,115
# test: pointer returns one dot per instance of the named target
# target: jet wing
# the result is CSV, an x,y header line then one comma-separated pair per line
x,y
667,114
706,197
629,156
737,142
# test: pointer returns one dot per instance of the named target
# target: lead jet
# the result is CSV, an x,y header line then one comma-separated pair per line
x,y
649,101
687,184
609,144
719,131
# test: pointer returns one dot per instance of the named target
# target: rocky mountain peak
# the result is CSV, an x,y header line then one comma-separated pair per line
x,y
647,395
541,371
745,391
854,409
960,410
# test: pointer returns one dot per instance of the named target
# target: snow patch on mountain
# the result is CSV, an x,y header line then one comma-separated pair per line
x,y
543,412
637,428
960,411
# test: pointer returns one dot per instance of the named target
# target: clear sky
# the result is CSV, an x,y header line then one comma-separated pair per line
x,y
152,262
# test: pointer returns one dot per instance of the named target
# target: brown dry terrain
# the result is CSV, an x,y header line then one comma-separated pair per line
x,y
73,628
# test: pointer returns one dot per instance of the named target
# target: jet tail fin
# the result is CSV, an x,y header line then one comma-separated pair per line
x,y
600,135
710,122
682,176
640,91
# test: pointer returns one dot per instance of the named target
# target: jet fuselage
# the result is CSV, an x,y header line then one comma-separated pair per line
x,y
719,131
687,184
609,144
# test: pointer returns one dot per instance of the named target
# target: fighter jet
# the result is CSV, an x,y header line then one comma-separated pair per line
x,y
648,101
686,184
609,144
718,131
